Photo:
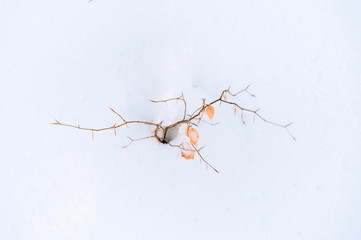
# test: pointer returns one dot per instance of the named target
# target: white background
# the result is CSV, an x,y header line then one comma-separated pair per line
x,y
70,60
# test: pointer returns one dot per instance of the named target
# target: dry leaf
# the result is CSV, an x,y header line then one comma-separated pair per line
x,y
210,111
193,135
188,152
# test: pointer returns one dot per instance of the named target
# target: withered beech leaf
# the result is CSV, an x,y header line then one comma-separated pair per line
x,y
210,112
193,136
188,152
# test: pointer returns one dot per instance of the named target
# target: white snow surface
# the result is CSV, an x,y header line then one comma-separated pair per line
x,y
70,60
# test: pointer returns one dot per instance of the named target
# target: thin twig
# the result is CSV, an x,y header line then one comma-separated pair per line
x,y
103,129
118,115
134,140
199,154
174,99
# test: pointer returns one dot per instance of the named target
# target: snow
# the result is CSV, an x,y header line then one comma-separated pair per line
x,y
72,60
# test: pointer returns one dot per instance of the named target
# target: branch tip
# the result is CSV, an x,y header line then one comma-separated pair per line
x,y
289,124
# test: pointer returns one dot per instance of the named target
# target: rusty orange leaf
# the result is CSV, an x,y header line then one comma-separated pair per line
x,y
210,112
189,154
193,135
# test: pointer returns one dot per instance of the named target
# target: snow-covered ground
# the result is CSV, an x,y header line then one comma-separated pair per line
x,y
70,60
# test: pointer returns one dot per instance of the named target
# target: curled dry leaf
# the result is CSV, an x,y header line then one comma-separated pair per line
x,y
210,112
192,134
188,155
188,152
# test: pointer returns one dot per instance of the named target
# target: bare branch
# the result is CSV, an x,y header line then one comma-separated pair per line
x,y
174,99
200,111
244,90
166,100
118,115
199,154
201,120
106,128
134,140
161,131
56,122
